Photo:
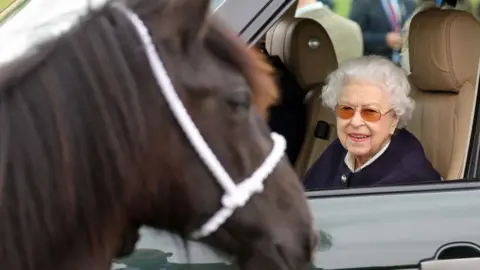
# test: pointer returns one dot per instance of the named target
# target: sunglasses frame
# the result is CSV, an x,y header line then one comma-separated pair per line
x,y
356,108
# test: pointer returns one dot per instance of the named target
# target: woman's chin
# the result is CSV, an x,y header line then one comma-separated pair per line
x,y
359,154
357,149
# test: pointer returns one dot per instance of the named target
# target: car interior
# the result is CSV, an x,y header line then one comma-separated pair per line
x,y
444,56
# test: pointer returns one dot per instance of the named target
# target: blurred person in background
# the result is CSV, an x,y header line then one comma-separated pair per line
x,y
381,22
345,34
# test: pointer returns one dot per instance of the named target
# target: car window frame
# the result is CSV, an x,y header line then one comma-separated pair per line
x,y
472,161
258,18
251,19
450,185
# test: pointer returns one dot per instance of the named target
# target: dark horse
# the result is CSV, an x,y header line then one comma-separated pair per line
x,y
89,150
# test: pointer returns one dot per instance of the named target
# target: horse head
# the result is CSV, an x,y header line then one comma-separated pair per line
x,y
91,146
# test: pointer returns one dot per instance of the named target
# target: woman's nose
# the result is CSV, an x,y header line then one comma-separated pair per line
x,y
357,119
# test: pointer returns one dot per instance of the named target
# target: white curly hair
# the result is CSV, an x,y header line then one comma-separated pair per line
x,y
378,70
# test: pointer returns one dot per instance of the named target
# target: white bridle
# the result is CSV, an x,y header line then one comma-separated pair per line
x,y
235,196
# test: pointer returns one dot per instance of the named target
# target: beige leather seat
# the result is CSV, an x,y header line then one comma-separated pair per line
x,y
444,57
306,49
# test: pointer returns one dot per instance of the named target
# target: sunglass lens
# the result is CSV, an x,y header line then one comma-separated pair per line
x,y
370,115
345,112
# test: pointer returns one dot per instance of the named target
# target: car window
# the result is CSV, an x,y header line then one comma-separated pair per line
x,y
344,23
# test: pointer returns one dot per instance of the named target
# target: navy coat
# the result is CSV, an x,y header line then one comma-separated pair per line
x,y
404,162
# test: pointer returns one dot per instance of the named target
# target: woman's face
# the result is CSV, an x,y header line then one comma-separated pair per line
x,y
365,120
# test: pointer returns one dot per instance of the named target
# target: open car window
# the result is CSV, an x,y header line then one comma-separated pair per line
x,y
250,18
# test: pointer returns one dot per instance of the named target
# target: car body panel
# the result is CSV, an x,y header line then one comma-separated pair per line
x,y
384,229
394,230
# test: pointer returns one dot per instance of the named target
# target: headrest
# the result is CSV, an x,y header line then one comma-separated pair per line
x,y
444,49
304,47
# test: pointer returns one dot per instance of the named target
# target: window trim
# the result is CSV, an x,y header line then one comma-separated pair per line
x,y
251,26
472,160
446,186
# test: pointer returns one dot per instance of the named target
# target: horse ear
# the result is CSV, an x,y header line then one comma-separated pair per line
x,y
189,19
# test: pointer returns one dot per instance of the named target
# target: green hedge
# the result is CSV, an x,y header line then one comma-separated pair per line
x,y
342,7
5,3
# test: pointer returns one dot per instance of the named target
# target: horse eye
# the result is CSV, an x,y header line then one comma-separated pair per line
x,y
239,99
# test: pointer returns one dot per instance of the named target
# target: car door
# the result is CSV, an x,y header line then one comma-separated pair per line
x,y
426,227
397,227
421,227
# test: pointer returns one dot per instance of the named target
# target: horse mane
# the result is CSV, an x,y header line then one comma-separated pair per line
x,y
265,89
66,162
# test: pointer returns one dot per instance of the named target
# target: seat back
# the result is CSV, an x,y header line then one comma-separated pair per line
x,y
306,49
301,44
444,57
289,117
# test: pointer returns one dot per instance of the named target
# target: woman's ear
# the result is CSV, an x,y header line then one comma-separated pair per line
x,y
394,125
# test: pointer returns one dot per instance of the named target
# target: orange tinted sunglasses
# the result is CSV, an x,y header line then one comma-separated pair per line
x,y
367,114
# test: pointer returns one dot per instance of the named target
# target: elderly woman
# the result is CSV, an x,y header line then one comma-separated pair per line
x,y
370,96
